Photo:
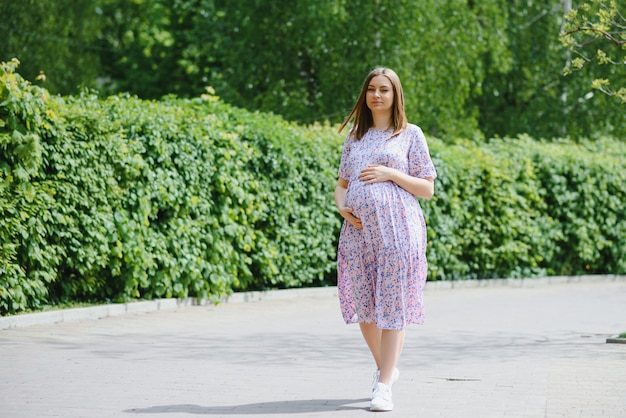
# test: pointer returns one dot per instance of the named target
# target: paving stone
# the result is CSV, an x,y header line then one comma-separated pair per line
x,y
531,350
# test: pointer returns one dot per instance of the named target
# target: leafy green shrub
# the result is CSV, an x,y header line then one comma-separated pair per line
x,y
521,208
27,263
122,199
584,187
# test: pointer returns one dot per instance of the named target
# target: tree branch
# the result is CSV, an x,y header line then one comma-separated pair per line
x,y
606,35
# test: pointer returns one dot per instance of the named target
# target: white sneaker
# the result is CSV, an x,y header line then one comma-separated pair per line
x,y
394,378
381,401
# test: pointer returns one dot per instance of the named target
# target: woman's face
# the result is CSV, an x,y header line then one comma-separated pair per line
x,y
379,96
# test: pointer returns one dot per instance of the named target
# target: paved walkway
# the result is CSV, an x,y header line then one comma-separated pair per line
x,y
484,352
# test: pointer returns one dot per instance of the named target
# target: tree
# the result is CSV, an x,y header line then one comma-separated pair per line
x,y
306,60
596,33
439,50
139,54
55,37
469,68
534,96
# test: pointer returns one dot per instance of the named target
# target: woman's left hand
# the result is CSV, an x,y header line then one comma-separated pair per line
x,y
376,173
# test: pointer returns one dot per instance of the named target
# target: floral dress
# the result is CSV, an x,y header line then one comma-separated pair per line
x,y
382,268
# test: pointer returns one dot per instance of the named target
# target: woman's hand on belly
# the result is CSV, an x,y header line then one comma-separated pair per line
x,y
376,173
346,212
348,216
420,187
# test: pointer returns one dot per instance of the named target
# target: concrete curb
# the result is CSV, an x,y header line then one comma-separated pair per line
x,y
525,282
171,304
103,311
80,314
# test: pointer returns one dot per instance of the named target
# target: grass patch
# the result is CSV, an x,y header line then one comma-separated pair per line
x,y
622,335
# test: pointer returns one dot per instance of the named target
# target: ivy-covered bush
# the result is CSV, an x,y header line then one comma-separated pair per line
x,y
522,208
122,199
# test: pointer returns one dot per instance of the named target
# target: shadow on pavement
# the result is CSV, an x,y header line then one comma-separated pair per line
x,y
278,407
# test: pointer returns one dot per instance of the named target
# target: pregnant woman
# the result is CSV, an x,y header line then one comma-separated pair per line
x,y
381,260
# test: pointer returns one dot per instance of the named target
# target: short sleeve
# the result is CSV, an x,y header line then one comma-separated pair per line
x,y
420,164
345,168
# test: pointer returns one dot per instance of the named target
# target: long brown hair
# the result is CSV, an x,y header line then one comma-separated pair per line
x,y
362,115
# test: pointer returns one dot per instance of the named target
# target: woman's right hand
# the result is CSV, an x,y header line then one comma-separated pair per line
x,y
348,216
340,200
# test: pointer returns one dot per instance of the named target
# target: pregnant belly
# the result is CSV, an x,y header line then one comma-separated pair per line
x,y
367,199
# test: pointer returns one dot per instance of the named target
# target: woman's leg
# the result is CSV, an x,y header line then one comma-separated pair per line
x,y
391,343
385,346
372,336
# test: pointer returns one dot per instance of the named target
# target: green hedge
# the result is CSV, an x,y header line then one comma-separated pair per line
x,y
522,208
123,199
